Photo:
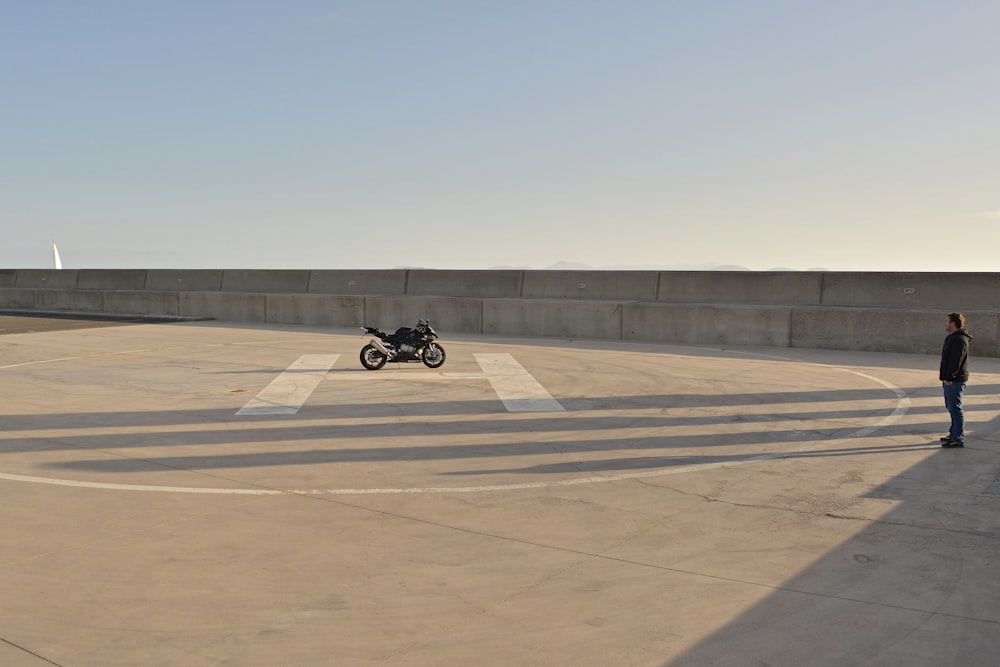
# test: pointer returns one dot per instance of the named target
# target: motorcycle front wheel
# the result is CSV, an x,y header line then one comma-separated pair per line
x,y
433,355
372,358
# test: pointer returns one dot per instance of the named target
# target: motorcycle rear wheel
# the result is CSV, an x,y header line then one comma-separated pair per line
x,y
372,358
433,356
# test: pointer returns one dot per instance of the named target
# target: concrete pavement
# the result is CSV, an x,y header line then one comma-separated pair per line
x,y
685,506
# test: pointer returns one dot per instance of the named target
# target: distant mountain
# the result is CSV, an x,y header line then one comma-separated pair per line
x,y
569,266
576,266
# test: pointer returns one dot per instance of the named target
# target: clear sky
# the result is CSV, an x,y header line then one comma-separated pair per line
x,y
847,135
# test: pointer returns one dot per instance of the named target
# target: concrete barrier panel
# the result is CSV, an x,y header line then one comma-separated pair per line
x,y
680,307
887,330
591,285
14,297
222,306
109,279
708,324
266,282
174,280
316,309
49,278
141,302
446,314
346,281
770,288
483,284
78,300
943,291
552,319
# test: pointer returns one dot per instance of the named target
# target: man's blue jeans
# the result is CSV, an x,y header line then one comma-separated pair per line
x,y
953,401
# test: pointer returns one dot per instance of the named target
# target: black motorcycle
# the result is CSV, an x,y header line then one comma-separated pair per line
x,y
406,344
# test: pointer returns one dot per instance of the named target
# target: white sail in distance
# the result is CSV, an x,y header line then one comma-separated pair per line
x,y
56,260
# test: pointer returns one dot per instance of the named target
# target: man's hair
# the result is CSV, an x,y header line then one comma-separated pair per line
x,y
958,319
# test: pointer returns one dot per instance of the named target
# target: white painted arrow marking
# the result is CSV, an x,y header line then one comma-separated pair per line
x,y
288,392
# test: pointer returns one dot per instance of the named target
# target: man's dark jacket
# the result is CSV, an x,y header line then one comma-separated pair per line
x,y
955,357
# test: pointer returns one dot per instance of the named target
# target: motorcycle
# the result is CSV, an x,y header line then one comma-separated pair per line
x,y
406,344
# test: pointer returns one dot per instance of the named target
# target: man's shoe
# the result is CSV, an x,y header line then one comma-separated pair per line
x,y
951,444
945,439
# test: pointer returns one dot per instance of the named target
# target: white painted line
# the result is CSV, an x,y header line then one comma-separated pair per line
x,y
403,375
516,387
137,487
288,392
43,361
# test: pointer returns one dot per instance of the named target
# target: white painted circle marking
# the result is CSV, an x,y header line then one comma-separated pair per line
x,y
902,407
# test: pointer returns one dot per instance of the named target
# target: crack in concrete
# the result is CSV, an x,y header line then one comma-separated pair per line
x,y
831,515
28,651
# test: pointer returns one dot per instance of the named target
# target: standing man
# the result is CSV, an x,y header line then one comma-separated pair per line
x,y
954,375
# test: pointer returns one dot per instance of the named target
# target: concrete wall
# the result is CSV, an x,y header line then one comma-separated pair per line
x,y
111,279
896,312
444,313
590,285
708,324
227,306
766,288
888,330
489,284
343,281
128,302
945,291
46,278
315,309
559,318
17,298
184,281
76,300
270,282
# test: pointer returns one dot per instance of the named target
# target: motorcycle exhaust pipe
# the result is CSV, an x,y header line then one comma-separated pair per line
x,y
382,348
